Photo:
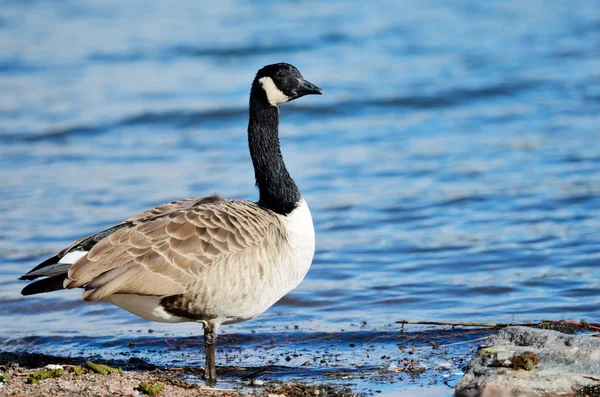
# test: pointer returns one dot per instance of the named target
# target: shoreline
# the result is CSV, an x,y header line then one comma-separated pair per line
x,y
16,368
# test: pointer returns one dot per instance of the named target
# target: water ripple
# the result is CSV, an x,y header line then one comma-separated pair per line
x,y
451,167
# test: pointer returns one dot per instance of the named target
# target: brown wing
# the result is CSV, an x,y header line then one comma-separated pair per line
x,y
174,206
155,212
166,250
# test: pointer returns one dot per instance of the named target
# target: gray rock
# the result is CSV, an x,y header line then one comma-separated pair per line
x,y
567,363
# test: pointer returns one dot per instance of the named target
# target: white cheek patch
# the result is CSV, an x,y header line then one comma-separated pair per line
x,y
274,94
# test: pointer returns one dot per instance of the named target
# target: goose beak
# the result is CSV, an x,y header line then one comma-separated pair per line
x,y
307,88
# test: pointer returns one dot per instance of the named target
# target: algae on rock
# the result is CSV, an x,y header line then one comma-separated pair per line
x,y
102,369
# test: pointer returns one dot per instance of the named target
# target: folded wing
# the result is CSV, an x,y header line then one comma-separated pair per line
x,y
163,250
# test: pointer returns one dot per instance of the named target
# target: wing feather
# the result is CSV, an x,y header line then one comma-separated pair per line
x,y
166,250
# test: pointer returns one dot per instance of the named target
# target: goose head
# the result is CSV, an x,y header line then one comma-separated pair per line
x,y
282,83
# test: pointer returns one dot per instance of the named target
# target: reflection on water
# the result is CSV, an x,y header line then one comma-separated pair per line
x,y
452,168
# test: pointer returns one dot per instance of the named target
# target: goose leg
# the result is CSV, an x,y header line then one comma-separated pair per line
x,y
210,340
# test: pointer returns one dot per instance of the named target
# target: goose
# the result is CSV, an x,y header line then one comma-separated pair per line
x,y
210,260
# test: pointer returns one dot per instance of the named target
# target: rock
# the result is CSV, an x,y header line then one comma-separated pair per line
x,y
523,362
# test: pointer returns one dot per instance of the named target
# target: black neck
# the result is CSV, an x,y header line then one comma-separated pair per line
x,y
278,191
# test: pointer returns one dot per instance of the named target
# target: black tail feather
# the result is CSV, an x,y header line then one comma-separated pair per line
x,y
49,284
47,262
48,271
84,244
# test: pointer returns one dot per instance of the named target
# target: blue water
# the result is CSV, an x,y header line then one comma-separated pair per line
x,y
452,166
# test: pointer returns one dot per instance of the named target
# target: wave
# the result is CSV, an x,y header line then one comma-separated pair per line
x,y
189,118
198,51
178,118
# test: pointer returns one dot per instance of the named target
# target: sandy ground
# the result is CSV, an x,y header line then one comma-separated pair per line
x,y
16,368
91,384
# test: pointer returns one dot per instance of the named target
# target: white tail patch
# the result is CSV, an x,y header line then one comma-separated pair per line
x,y
274,94
73,256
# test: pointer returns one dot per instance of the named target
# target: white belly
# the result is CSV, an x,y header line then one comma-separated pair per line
x,y
145,306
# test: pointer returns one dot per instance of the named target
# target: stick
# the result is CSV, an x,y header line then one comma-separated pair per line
x,y
461,324
498,325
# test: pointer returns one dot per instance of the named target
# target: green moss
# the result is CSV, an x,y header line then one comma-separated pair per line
x,y
5,378
526,361
149,389
102,369
44,374
562,326
77,370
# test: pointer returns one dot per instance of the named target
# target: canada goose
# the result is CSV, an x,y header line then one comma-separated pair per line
x,y
211,260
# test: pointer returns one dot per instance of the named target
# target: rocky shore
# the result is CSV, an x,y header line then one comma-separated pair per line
x,y
530,362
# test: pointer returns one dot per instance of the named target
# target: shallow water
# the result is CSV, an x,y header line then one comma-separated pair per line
x,y
452,167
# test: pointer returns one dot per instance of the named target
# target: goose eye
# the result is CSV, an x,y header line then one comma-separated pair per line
x,y
279,74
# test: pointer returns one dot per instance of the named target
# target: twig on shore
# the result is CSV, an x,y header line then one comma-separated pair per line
x,y
582,324
462,324
595,327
